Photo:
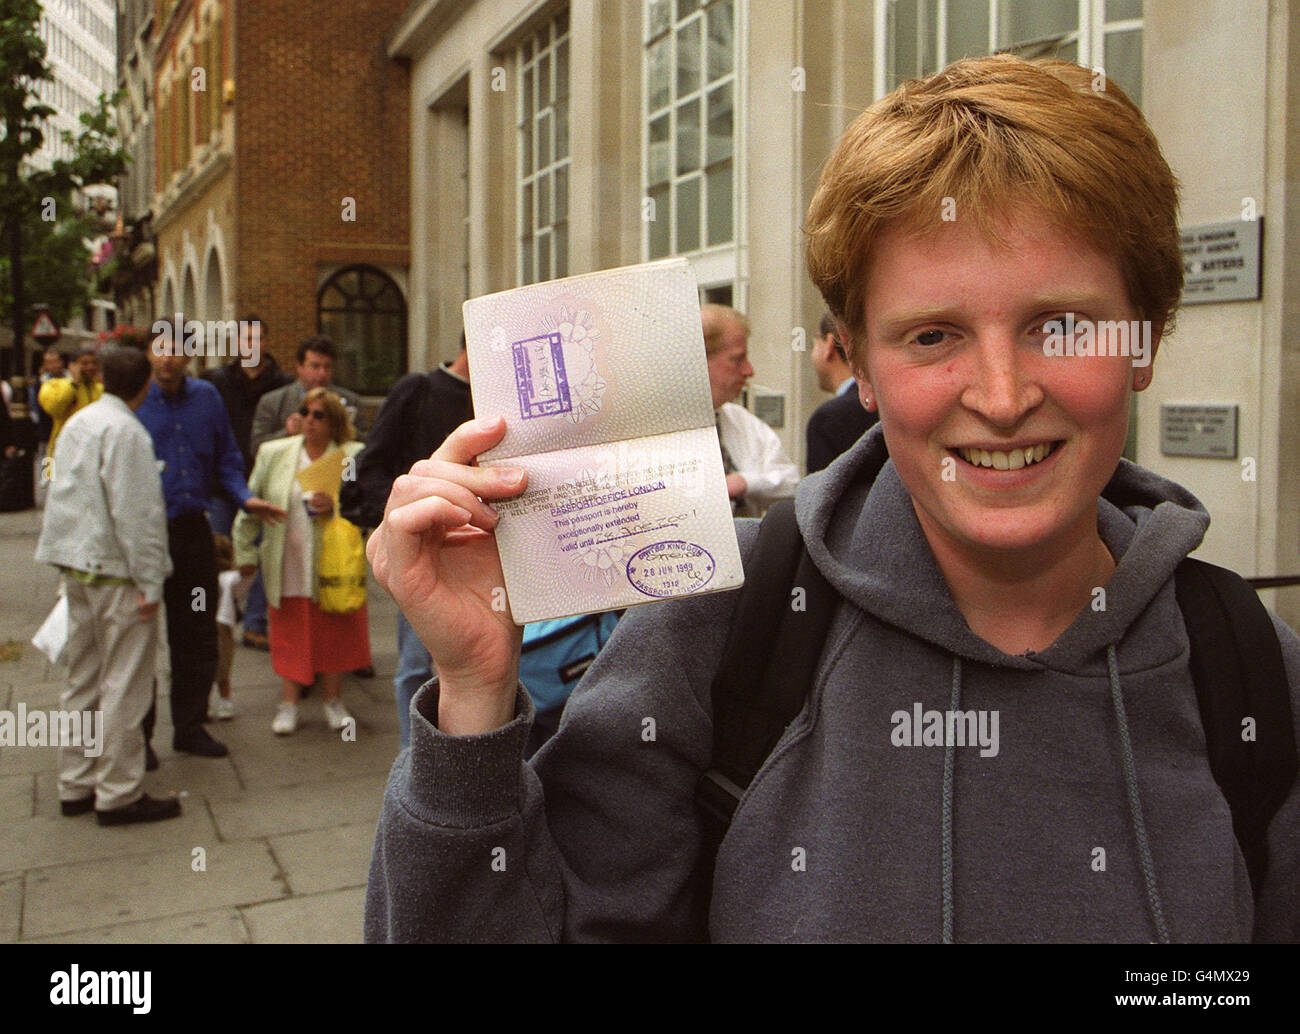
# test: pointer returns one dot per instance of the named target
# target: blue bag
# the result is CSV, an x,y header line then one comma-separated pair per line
x,y
556,653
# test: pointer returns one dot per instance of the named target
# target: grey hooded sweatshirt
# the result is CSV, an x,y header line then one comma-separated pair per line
x,y
864,824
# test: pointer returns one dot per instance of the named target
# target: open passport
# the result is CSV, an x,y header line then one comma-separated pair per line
x,y
604,387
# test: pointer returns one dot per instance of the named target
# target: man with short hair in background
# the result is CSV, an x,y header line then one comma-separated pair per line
x,y
241,383
277,411
758,470
63,396
52,368
192,437
416,416
839,422
103,527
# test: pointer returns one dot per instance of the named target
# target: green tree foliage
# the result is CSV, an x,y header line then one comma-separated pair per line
x,y
42,258
56,261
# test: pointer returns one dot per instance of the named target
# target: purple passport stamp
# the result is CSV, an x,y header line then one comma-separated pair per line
x,y
540,376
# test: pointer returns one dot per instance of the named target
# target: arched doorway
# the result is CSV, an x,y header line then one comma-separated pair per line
x,y
168,300
189,296
213,289
363,311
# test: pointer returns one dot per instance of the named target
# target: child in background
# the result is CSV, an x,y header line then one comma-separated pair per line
x,y
228,615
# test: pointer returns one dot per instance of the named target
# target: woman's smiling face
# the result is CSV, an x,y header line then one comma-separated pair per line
x,y
954,360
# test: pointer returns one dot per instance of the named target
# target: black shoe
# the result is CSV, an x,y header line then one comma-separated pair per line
x,y
256,641
368,672
150,759
71,808
200,743
146,809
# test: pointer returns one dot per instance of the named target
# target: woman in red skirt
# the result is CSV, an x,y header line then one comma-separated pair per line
x,y
305,641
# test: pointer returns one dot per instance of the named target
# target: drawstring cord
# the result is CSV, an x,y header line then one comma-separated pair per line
x,y
1130,782
949,757
1134,803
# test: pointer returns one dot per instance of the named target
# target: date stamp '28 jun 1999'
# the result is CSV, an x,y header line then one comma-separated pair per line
x,y
670,569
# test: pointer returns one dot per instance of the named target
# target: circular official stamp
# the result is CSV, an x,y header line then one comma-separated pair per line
x,y
670,569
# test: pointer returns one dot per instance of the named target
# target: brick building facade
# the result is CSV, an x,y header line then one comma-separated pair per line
x,y
283,175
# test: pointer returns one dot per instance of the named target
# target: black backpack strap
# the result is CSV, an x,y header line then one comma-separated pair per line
x,y
768,663
1237,666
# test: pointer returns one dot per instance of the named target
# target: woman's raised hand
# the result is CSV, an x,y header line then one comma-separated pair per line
x,y
436,554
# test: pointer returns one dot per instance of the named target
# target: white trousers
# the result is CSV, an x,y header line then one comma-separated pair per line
x,y
110,669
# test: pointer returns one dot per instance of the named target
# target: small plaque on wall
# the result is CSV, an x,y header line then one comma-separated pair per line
x,y
1199,430
769,407
1221,262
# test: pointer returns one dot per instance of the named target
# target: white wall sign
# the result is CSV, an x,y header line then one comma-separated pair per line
x,y
1199,430
1221,262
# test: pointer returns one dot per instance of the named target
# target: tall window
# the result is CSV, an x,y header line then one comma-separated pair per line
x,y
544,153
364,312
690,90
926,35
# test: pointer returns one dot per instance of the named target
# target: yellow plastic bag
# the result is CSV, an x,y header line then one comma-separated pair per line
x,y
342,568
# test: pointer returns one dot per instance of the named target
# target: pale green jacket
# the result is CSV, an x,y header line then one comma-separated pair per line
x,y
273,480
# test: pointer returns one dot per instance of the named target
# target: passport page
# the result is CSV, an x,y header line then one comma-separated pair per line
x,y
605,390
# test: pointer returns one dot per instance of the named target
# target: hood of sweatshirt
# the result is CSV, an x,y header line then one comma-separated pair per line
x,y
860,527
862,532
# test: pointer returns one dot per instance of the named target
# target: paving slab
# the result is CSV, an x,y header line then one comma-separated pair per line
x,y
17,796
187,777
47,794
216,926
287,824
194,777
11,908
108,891
38,695
268,812
314,753
43,841
325,859
22,760
331,918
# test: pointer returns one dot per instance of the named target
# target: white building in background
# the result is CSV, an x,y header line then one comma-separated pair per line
x,y
555,137
81,47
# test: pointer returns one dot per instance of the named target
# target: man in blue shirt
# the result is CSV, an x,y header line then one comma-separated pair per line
x,y
194,443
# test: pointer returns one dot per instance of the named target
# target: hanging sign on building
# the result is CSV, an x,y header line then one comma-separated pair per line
x,y
1208,431
1221,262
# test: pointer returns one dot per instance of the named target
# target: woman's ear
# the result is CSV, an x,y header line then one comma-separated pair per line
x,y
1142,374
857,363
866,395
